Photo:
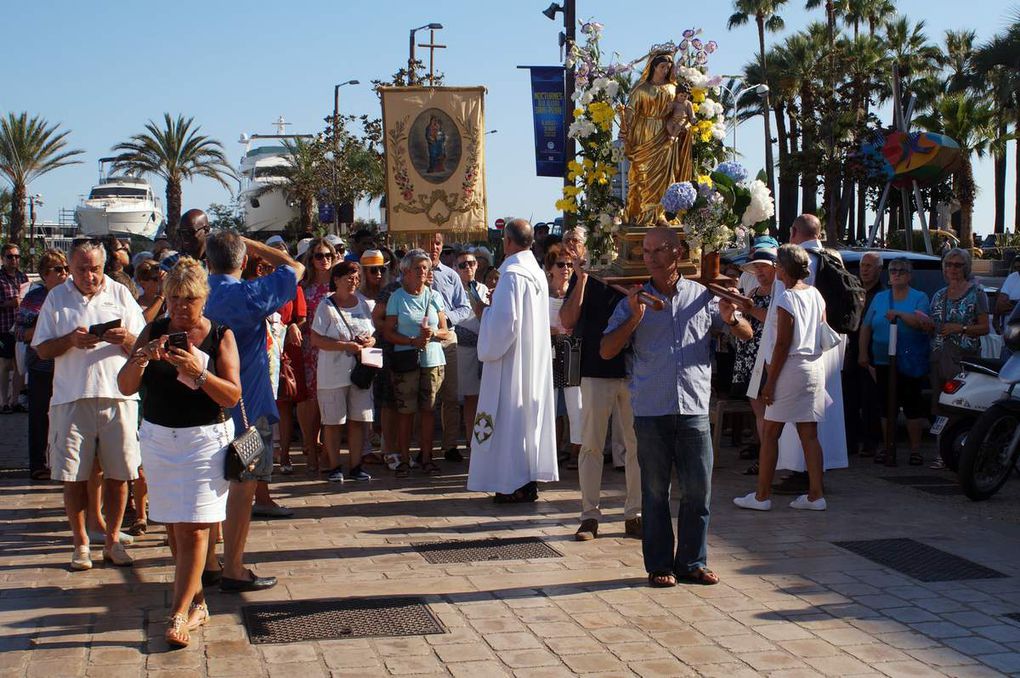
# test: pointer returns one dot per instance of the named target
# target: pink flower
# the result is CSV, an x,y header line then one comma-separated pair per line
x,y
711,46
689,33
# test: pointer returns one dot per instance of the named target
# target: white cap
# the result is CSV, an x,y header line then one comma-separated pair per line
x,y
483,251
302,246
275,240
335,241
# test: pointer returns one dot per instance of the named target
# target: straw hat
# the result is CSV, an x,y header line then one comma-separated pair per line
x,y
372,258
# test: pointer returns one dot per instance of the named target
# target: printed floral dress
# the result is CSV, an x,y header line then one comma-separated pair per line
x,y
747,351
314,293
962,311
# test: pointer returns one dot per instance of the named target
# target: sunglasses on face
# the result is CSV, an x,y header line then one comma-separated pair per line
x,y
375,269
466,264
564,264
322,256
12,256
59,269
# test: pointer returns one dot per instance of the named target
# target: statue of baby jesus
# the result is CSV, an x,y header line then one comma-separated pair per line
x,y
682,112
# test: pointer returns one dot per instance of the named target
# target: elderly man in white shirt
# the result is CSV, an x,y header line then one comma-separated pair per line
x,y
88,325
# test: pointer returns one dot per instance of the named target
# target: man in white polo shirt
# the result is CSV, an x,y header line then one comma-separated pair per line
x,y
89,325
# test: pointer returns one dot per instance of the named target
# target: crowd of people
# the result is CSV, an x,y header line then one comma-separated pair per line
x,y
158,371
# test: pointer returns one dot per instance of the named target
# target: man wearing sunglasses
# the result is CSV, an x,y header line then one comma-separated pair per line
x,y
11,280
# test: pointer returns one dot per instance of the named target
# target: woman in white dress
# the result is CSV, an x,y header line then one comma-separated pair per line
x,y
794,389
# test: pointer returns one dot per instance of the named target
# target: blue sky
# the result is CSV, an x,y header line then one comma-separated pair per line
x,y
104,68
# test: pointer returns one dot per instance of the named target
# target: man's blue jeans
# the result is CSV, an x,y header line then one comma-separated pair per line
x,y
683,440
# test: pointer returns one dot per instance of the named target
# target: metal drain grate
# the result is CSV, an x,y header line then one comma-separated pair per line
x,y
345,618
917,560
919,480
475,550
947,490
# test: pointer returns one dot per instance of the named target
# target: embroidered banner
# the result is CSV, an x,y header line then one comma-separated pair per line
x,y
435,159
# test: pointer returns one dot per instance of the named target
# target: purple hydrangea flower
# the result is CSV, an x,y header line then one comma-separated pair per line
x,y
679,196
689,33
734,170
696,42
711,46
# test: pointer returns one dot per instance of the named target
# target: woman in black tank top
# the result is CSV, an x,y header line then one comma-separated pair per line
x,y
184,432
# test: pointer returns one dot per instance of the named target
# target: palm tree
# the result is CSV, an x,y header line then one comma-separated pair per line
x,y
299,179
958,60
969,121
999,62
5,209
911,51
877,12
29,148
765,18
176,152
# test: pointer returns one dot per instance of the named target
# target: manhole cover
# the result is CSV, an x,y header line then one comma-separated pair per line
x,y
919,480
917,560
474,550
344,618
940,489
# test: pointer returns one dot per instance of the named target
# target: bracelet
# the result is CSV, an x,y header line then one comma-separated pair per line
x,y
200,379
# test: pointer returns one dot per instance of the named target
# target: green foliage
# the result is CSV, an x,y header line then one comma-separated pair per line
x,y
225,217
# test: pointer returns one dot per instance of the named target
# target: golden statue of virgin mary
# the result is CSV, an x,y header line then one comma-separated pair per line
x,y
657,158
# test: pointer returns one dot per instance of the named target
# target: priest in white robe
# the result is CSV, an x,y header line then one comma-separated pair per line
x,y
513,441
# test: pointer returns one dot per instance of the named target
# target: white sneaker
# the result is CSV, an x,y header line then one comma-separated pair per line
x,y
81,559
805,504
392,460
750,501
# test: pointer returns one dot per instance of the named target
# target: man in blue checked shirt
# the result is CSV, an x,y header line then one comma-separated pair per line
x,y
671,371
447,283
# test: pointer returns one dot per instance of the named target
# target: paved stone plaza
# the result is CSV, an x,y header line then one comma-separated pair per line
x,y
791,603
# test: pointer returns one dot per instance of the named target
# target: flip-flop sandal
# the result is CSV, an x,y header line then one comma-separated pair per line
x,y
702,576
662,580
138,528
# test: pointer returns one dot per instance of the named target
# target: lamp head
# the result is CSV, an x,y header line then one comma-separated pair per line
x,y
761,90
434,26
550,11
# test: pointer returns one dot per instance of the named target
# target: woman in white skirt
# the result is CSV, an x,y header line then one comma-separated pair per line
x,y
794,389
184,433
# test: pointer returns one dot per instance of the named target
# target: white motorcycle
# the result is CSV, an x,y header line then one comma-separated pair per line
x,y
962,401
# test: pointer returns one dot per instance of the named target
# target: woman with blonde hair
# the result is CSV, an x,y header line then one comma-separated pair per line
x,y
318,259
190,369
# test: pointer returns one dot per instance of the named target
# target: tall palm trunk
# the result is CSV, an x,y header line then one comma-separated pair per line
x,y
307,214
808,143
1016,193
791,193
787,177
966,193
770,166
17,212
173,207
999,158
833,211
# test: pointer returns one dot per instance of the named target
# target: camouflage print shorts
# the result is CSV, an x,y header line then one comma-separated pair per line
x,y
417,389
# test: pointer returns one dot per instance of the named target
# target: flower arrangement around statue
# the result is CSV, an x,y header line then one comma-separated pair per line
x,y
601,92
719,209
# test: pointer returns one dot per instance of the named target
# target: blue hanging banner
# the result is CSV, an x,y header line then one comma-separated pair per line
x,y
550,113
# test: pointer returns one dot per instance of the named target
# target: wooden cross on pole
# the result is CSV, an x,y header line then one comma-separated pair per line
x,y
432,55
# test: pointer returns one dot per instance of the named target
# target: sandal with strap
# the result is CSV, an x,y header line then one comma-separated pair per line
x,y
701,575
138,528
403,470
177,631
198,615
431,468
662,580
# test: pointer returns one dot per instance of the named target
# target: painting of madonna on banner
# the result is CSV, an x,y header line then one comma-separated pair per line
x,y
435,159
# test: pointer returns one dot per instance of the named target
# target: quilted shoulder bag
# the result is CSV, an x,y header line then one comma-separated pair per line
x,y
361,375
244,452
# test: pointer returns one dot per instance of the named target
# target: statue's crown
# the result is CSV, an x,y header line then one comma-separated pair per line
x,y
667,48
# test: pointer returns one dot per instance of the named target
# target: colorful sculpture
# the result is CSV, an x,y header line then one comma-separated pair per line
x,y
902,158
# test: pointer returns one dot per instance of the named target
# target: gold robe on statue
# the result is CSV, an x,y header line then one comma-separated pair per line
x,y
656,161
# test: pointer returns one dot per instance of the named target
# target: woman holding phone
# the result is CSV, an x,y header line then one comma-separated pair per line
x,y
190,369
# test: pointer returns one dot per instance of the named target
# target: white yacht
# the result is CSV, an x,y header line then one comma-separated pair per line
x,y
265,209
119,205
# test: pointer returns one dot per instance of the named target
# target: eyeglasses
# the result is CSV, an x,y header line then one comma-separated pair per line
x,y
564,264
466,264
59,269
952,264
322,256
12,256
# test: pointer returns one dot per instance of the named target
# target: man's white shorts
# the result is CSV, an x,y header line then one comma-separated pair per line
x,y
82,429
337,404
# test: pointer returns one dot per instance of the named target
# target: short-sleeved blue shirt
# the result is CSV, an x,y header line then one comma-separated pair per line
x,y
671,360
243,306
410,310
911,344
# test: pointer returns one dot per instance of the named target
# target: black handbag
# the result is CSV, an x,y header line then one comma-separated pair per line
x,y
244,452
361,374
566,361
403,361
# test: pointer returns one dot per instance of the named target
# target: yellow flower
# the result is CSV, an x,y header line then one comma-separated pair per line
x,y
696,107
566,205
697,95
602,114
571,191
578,112
574,166
705,180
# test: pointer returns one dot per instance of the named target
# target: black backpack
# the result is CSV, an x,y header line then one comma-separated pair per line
x,y
842,290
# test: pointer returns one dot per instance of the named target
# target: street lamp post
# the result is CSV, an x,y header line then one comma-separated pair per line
x,y
336,148
760,90
411,79
569,10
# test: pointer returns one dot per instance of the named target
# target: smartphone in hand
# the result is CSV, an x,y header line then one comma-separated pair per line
x,y
178,340
99,329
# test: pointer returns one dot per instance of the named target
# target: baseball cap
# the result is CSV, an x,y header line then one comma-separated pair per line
x,y
275,240
303,245
336,241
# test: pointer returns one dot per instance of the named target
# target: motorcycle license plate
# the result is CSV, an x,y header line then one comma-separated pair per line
x,y
940,423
